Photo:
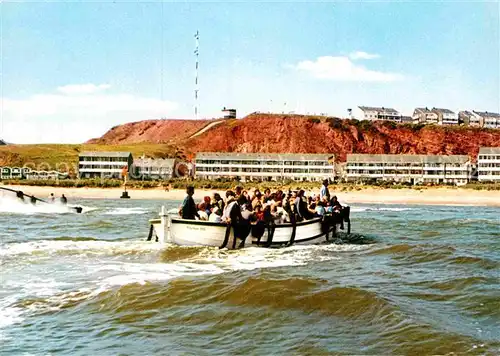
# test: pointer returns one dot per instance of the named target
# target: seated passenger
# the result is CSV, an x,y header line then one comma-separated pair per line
x,y
207,202
328,208
335,204
267,194
237,191
279,196
217,199
202,212
257,195
320,209
259,213
215,215
247,213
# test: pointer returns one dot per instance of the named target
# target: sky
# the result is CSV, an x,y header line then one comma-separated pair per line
x,y
71,70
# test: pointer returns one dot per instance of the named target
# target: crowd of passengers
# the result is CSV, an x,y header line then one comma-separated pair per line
x,y
253,206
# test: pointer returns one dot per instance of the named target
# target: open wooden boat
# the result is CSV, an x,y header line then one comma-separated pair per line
x,y
175,230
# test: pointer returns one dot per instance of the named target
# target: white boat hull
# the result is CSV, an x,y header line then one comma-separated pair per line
x,y
184,232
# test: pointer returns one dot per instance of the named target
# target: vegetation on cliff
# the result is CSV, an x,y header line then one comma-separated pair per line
x,y
266,133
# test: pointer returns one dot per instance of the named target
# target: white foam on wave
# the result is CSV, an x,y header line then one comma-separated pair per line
x,y
11,312
104,275
98,247
127,211
15,206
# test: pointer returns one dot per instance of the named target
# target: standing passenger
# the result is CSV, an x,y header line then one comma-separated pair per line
x,y
188,208
324,192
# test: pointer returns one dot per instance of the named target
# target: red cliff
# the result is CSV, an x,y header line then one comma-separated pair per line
x,y
305,134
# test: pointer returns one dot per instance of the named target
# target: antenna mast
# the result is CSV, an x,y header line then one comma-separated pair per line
x,y
196,89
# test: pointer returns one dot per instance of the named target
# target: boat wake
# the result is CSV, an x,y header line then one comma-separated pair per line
x,y
9,205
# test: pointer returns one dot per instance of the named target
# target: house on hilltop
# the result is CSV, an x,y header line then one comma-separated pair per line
x,y
424,116
490,119
446,116
436,116
470,118
377,113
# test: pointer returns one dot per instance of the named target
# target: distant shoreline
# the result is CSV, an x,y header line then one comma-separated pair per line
x,y
370,195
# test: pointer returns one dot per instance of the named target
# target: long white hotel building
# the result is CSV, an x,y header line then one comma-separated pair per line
x,y
488,164
103,164
415,169
265,166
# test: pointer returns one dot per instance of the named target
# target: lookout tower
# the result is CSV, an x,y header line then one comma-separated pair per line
x,y
229,113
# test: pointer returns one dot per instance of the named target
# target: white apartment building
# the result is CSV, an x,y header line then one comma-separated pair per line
x,y
415,169
377,113
153,168
490,119
425,116
103,164
446,116
470,118
434,116
488,164
265,166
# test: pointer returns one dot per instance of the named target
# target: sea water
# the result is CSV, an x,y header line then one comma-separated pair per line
x,y
411,280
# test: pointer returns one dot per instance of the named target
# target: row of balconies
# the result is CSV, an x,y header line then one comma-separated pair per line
x,y
265,171
102,163
487,178
381,175
399,167
409,171
280,166
258,174
99,170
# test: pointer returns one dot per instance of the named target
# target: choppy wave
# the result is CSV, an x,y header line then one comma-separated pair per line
x,y
417,282
174,262
72,246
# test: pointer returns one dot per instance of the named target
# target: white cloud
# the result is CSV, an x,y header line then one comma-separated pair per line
x,y
343,69
363,55
89,88
70,117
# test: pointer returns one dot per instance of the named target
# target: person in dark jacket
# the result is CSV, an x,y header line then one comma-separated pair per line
x,y
301,207
188,209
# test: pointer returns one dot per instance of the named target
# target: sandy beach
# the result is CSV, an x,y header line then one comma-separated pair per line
x,y
430,196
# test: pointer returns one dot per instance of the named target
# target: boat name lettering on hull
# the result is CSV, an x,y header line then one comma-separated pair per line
x,y
197,228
